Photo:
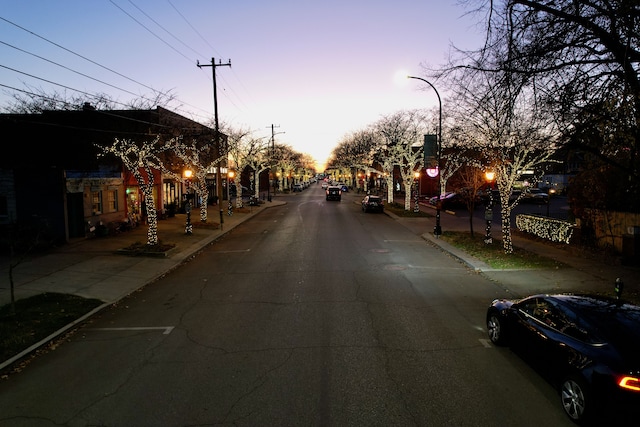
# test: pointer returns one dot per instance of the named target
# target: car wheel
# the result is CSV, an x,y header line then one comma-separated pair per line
x,y
575,399
495,329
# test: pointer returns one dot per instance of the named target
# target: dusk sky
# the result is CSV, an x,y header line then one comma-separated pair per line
x,y
318,70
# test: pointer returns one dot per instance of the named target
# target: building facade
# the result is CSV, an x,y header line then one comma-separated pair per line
x,y
53,175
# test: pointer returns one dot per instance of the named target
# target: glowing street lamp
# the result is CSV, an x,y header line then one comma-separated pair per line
x,y
488,213
437,230
230,176
188,228
416,183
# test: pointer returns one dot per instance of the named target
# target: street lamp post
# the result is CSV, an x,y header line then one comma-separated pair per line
x,y
416,183
188,228
551,192
437,230
488,213
230,175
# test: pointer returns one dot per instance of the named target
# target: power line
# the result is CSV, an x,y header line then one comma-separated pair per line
x,y
84,75
83,57
215,51
149,30
66,68
165,94
165,30
193,28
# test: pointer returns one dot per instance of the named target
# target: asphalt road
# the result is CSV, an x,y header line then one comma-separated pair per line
x,y
313,313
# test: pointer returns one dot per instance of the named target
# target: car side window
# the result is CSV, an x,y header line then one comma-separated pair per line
x,y
574,326
545,312
559,317
528,307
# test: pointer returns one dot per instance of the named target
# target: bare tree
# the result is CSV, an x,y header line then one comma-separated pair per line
x,y
34,100
200,158
243,151
357,150
401,136
499,118
141,159
259,161
470,180
582,60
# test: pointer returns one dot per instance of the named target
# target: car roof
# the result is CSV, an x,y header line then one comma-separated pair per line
x,y
616,320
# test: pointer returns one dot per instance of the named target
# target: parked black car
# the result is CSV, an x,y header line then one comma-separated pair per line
x,y
334,193
587,346
535,195
452,200
372,204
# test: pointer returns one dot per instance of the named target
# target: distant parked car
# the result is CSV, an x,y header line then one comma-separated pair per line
x,y
334,193
586,345
535,195
372,204
449,201
434,200
297,187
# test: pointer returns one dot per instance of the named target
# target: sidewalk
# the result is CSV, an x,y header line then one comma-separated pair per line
x,y
91,268
584,273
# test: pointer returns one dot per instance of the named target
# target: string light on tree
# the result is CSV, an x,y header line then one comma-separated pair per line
x,y
488,213
188,228
416,180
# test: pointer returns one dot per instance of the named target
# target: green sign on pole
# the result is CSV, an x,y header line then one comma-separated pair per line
x,y
430,151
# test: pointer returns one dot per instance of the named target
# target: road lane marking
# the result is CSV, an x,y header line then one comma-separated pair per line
x,y
167,329
486,343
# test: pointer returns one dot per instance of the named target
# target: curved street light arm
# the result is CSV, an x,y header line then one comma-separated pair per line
x,y
437,231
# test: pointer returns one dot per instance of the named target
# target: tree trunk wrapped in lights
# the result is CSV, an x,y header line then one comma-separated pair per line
x,y
201,158
140,159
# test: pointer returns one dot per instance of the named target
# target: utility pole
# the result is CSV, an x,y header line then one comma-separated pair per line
x,y
270,159
213,66
273,134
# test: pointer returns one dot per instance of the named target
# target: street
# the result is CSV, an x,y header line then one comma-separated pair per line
x,y
313,313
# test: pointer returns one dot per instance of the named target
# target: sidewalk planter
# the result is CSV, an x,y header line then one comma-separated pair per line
x,y
551,229
139,249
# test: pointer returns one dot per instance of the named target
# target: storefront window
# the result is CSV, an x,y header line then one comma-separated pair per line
x,y
112,200
96,202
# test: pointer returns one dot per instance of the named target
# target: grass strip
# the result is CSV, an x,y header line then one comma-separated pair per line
x,y
37,317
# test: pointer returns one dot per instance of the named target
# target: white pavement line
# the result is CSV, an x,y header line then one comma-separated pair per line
x,y
486,343
167,329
